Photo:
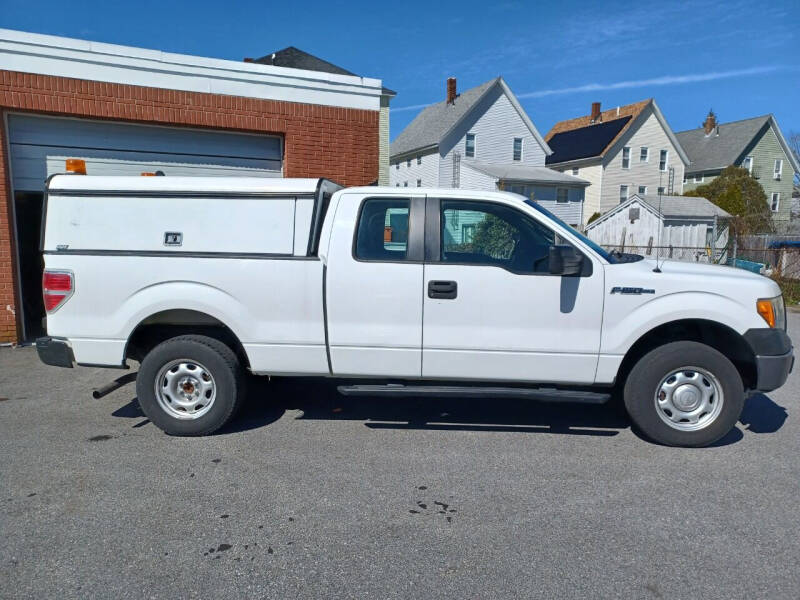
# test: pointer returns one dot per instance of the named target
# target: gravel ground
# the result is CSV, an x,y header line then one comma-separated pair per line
x,y
312,495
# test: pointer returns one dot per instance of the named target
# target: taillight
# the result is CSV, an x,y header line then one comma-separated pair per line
x,y
57,287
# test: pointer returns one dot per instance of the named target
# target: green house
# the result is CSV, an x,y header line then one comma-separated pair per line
x,y
756,144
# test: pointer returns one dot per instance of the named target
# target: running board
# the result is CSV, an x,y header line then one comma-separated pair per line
x,y
392,390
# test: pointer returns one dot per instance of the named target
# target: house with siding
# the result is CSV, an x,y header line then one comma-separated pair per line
x,y
622,151
756,144
482,139
677,227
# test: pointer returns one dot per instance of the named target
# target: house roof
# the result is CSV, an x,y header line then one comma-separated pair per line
x,y
670,207
294,58
433,124
516,172
580,138
726,144
582,127
585,142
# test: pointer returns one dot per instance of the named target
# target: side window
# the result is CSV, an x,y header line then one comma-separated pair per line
x,y
482,233
383,229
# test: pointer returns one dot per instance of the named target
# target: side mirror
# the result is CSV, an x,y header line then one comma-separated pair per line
x,y
565,260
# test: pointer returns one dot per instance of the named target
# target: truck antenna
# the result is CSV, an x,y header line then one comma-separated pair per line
x,y
660,217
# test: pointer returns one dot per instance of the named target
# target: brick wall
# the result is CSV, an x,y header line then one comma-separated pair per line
x,y
8,321
319,141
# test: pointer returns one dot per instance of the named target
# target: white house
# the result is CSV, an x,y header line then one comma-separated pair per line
x,y
685,228
483,139
622,151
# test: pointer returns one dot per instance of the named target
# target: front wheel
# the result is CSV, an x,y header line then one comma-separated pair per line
x,y
190,385
684,394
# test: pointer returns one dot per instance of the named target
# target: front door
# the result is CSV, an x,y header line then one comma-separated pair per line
x,y
491,309
374,286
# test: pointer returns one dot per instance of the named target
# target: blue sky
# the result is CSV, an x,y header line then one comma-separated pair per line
x,y
740,57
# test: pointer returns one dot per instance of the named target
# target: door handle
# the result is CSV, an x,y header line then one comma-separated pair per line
x,y
444,290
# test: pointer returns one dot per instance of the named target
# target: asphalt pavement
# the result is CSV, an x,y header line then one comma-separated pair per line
x,y
313,495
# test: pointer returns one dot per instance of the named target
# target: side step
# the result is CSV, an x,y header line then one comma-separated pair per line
x,y
396,390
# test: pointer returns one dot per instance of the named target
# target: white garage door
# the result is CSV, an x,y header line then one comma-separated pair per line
x,y
40,145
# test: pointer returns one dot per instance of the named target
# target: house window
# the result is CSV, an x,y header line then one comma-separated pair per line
x,y
469,147
517,149
562,195
698,178
467,233
776,201
396,185
405,184
575,171
626,157
661,191
623,193
644,154
662,160
747,163
408,162
642,190
778,168
419,182
685,178
397,165
419,159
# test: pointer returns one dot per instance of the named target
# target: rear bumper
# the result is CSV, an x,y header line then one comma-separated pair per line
x,y
55,352
774,357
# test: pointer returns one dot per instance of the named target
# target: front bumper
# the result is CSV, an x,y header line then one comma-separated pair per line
x,y
54,351
774,357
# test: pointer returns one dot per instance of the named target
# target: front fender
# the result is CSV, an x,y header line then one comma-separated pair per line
x,y
628,318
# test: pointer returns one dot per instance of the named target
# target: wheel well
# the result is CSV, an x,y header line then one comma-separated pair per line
x,y
720,337
167,324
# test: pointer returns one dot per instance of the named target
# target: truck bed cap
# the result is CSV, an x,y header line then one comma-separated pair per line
x,y
246,185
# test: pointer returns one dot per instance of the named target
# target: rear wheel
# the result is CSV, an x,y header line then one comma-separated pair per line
x,y
684,394
190,385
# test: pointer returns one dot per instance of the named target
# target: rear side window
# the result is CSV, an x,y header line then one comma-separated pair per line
x,y
383,230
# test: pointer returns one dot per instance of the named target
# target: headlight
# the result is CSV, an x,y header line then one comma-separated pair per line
x,y
773,311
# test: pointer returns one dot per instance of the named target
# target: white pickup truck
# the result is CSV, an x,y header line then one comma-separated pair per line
x,y
400,291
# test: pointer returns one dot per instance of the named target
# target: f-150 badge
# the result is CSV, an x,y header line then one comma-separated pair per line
x,y
631,291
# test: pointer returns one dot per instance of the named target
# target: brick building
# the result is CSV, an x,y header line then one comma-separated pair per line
x,y
128,110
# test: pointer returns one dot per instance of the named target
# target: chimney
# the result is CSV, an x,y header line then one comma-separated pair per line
x,y
710,124
249,60
451,90
595,116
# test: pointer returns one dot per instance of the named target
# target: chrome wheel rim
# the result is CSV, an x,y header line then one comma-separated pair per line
x,y
185,389
689,399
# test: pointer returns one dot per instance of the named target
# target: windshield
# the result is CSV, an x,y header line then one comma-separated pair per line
x,y
604,253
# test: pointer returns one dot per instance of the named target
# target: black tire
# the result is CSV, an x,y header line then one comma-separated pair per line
x,y
218,359
647,375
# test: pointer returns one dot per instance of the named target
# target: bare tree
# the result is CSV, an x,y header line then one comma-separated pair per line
x,y
794,146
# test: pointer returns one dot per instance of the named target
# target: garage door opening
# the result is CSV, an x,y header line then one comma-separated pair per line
x,y
28,211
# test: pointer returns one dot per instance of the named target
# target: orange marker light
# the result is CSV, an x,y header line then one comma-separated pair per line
x,y
76,166
767,311
146,174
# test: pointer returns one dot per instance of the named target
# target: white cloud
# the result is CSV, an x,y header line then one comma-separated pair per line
x,y
656,81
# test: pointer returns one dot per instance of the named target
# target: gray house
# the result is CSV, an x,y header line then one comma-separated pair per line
x,y
482,139
686,228
756,144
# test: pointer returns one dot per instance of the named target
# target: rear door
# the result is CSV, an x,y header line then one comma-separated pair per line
x,y
492,311
373,286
